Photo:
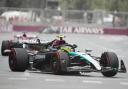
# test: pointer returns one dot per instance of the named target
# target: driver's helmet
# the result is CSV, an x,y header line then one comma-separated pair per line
x,y
61,37
38,40
24,34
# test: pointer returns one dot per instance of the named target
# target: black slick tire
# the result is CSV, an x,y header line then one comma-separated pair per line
x,y
109,59
18,60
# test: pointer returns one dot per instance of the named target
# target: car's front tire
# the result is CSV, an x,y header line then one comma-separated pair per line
x,y
109,59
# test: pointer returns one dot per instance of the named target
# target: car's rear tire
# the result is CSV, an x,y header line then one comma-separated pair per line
x,y
4,46
109,59
18,60
60,62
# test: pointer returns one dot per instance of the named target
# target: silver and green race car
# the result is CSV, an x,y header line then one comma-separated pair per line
x,y
65,59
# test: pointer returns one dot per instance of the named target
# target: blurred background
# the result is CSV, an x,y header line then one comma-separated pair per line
x,y
37,14
98,25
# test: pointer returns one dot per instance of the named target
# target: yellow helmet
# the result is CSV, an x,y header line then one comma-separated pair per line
x,y
61,36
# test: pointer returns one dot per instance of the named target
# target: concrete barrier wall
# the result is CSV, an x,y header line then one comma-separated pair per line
x,y
28,28
116,31
81,30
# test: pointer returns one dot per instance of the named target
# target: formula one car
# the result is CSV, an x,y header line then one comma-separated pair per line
x,y
17,42
65,59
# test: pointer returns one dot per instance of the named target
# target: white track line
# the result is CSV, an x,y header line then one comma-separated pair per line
x,y
54,80
26,74
103,79
92,82
124,83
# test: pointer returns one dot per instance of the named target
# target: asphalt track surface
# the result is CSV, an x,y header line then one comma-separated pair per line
x,y
40,80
